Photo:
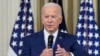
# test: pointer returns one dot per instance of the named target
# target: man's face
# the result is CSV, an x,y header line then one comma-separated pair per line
x,y
51,18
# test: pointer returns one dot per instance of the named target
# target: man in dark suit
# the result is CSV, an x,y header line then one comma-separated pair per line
x,y
63,44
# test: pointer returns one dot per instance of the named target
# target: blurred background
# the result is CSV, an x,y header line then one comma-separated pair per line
x,y
9,11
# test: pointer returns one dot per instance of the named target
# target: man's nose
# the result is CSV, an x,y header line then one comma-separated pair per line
x,y
49,19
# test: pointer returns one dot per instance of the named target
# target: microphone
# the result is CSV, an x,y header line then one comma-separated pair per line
x,y
50,41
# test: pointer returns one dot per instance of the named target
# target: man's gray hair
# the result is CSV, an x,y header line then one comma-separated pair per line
x,y
53,4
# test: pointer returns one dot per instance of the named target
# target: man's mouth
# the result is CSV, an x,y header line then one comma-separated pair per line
x,y
49,26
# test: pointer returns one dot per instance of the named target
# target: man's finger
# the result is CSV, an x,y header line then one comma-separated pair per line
x,y
58,46
58,52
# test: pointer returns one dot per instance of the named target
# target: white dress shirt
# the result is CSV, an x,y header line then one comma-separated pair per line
x,y
46,34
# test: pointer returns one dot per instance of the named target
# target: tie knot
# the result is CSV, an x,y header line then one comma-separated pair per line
x,y
50,36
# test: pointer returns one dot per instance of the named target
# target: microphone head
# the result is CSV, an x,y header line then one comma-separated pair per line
x,y
50,41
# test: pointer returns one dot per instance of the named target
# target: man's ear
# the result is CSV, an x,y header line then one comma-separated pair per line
x,y
60,20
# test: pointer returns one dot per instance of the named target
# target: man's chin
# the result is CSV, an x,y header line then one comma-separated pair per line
x,y
50,31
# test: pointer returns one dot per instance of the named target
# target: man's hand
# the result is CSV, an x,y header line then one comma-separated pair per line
x,y
47,52
61,51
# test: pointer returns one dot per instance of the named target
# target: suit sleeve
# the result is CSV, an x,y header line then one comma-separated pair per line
x,y
26,47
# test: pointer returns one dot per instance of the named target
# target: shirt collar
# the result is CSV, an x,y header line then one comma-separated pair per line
x,y
47,33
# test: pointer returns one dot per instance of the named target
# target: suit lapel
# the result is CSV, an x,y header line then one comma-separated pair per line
x,y
39,44
41,40
58,41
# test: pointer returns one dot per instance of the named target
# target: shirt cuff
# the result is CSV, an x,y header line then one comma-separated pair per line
x,y
71,54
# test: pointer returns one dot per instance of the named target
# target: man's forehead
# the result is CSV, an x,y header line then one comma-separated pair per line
x,y
51,7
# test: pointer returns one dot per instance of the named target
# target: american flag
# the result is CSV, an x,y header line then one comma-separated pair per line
x,y
22,27
62,26
87,31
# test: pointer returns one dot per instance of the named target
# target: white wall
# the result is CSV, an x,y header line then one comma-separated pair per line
x,y
8,12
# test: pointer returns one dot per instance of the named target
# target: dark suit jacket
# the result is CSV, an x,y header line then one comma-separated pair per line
x,y
34,44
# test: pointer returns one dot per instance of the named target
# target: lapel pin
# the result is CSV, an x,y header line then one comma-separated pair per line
x,y
60,37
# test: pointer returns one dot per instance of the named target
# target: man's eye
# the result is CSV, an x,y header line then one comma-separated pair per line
x,y
46,16
53,16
